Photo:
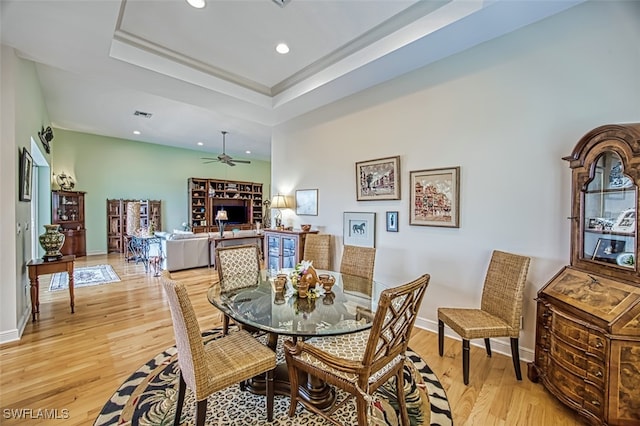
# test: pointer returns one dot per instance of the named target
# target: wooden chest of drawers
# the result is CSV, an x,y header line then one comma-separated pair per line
x,y
588,346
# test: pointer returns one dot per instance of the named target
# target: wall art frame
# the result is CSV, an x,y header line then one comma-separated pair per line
x,y
435,197
25,173
392,221
359,229
307,202
378,179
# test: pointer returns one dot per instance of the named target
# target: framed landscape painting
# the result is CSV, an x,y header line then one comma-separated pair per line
x,y
378,179
435,197
359,229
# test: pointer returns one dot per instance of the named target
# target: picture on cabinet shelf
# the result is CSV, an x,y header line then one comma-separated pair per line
x,y
626,221
607,250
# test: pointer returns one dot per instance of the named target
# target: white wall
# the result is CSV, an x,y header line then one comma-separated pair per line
x,y
506,112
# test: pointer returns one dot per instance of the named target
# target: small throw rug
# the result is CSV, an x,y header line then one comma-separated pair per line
x,y
84,277
148,397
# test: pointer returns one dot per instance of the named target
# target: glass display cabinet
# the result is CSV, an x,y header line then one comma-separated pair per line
x,y
68,212
283,249
587,349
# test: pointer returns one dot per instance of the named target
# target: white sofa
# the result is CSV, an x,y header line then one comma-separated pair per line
x,y
185,250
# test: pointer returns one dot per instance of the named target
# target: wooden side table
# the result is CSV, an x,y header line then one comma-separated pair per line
x,y
39,267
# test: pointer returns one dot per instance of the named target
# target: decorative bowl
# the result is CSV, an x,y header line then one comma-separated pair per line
x,y
305,227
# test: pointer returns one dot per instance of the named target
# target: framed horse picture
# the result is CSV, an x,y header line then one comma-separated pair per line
x,y
359,229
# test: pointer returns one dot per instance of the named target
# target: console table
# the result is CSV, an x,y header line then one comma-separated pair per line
x,y
39,267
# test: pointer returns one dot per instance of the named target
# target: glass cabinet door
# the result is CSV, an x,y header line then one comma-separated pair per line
x,y
273,245
609,217
288,252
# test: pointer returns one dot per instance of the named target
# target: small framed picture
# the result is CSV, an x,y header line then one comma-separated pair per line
x,y
307,202
435,197
359,229
392,221
26,164
378,179
607,249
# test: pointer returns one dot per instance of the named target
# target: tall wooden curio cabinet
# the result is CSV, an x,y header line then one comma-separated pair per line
x,y
588,316
68,212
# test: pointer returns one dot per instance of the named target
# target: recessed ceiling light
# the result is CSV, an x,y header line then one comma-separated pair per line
x,y
136,132
200,144
282,48
198,4
247,152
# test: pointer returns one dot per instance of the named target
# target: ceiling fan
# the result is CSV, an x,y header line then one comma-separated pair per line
x,y
224,158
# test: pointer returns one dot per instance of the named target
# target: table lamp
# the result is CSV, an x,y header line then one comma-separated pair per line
x,y
278,202
221,217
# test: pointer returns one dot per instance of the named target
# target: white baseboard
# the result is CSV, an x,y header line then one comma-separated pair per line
x,y
501,346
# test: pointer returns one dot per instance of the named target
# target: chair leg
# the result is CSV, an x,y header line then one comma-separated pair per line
x,y
270,392
515,356
293,384
201,412
440,337
402,405
487,344
182,388
362,410
465,361
225,324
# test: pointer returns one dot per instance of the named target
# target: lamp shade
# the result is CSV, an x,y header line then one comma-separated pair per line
x,y
222,215
279,202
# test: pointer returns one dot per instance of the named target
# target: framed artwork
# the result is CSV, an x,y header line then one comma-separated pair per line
x,y
392,221
307,202
607,249
378,179
435,197
26,164
359,229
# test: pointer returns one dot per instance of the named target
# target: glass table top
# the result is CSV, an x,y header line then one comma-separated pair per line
x,y
349,307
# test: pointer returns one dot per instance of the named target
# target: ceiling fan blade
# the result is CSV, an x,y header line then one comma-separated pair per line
x,y
208,158
242,161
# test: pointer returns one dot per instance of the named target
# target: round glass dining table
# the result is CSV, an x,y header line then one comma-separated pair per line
x,y
252,301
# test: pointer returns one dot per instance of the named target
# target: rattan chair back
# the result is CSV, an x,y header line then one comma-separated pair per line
x,y
503,291
358,261
236,261
317,248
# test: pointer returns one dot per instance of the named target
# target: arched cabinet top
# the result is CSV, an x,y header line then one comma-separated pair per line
x,y
624,139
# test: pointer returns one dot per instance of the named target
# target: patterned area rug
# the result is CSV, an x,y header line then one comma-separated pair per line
x,y
84,277
148,397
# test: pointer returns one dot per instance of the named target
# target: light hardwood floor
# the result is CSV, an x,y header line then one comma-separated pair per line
x,y
76,361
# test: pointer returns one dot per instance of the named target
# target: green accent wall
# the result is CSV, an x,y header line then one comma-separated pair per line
x,y
109,168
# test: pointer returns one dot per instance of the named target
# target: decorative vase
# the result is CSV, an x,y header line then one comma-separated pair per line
x,y
310,277
52,241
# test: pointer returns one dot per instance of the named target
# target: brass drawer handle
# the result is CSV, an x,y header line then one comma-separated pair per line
x,y
599,345
596,403
599,374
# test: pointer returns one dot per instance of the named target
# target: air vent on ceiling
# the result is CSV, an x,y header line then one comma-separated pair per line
x,y
143,114
281,3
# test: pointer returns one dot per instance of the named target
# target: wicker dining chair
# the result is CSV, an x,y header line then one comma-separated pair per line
x,y
317,248
361,362
499,313
216,365
358,261
236,265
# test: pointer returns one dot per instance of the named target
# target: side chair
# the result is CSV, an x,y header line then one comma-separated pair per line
x,y
361,362
237,266
317,248
499,313
358,261
222,362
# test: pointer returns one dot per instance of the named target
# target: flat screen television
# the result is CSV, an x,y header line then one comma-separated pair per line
x,y
236,214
